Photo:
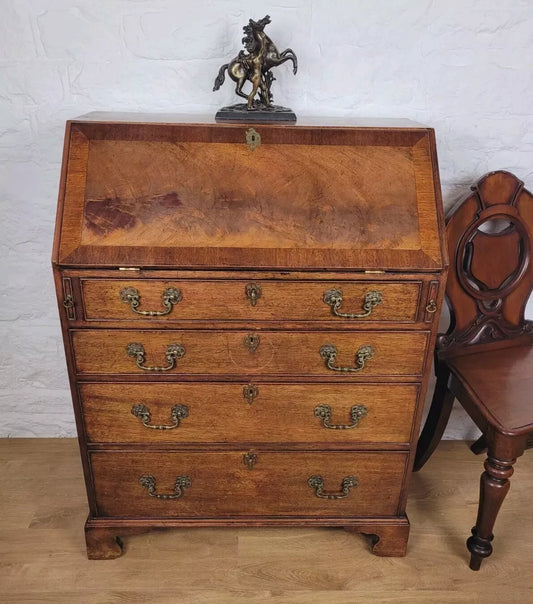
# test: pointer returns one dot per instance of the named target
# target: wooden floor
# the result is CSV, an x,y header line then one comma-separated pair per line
x,y
42,549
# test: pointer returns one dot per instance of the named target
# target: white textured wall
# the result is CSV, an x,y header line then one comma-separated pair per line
x,y
461,66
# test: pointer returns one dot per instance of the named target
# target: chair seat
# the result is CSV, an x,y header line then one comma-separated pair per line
x,y
501,383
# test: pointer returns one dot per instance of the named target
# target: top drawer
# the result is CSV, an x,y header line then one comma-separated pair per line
x,y
349,302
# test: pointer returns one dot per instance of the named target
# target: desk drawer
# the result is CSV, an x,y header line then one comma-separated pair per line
x,y
170,352
245,412
258,300
221,484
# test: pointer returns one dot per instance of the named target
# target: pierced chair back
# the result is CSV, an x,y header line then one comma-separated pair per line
x,y
491,269
489,283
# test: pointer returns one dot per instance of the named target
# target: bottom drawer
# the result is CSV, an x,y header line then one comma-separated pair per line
x,y
209,484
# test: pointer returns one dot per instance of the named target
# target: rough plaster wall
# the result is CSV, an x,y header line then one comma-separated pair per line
x,y
461,66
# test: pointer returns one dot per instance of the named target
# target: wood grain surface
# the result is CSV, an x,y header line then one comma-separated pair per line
x,y
192,206
227,300
44,558
224,352
219,413
306,198
221,484
265,198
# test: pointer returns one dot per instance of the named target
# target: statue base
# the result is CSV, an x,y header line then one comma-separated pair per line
x,y
241,113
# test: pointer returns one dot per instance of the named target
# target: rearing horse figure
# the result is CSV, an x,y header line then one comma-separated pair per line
x,y
255,66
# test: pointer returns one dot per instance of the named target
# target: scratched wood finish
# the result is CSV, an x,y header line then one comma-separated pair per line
x,y
222,485
227,300
225,352
306,198
220,413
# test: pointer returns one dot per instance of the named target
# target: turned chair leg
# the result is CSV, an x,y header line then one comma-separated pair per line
x,y
437,419
494,486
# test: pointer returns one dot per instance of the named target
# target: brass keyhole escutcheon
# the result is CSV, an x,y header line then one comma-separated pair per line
x,y
252,341
253,138
250,392
253,292
249,460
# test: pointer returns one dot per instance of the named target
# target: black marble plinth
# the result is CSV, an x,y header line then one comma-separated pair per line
x,y
241,113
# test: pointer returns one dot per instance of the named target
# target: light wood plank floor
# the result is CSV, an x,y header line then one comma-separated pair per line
x,y
42,549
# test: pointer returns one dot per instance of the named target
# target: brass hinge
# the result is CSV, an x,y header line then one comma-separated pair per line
x,y
122,268
374,272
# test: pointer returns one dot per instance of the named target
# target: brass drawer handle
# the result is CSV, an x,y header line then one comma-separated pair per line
x,y
333,297
148,482
68,302
174,352
357,412
317,483
431,306
170,296
329,353
177,413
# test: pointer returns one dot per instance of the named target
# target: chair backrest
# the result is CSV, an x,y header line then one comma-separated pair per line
x,y
491,266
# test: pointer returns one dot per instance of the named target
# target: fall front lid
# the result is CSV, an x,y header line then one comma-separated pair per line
x,y
191,195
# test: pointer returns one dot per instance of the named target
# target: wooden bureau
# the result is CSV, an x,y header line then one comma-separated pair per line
x,y
248,315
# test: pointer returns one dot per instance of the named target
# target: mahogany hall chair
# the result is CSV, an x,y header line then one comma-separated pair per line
x,y
485,360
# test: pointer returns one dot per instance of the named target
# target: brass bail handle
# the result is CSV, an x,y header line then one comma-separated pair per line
x,y
317,483
148,482
177,413
333,297
357,412
173,353
170,296
329,353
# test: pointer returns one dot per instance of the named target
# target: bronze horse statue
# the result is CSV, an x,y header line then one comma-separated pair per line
x,y
254,66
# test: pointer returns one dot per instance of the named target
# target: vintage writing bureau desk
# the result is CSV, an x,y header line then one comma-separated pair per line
x,y
248,315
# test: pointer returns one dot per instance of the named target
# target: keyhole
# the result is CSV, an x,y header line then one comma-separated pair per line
x,y
253,138
251,341
249,460
250,392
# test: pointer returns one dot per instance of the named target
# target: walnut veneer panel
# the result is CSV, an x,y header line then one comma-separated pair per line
x,y
140,194
234,204
103,351
227,300
222,485
220,413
